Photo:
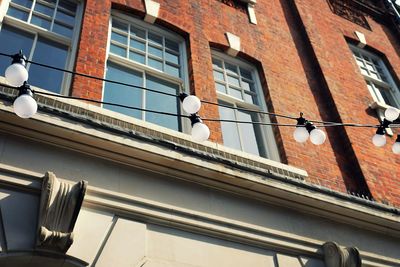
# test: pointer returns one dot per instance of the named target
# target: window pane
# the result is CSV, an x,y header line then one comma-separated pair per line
x,y
44,9
118,50
41,22
172,45
250,98
247,133
66,4
18,14
155,51
155,38
155,64
138,32
138,45
124,95
61,29
233,80
232,69
235,93
16,39
137,57
172,70
220,87
162,103
171,58
120,25
66,18
246,74
229,130
218,75
25,3
53,54
119,38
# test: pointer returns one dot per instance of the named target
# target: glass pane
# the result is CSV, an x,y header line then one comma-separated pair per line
x,y
61,29
124,95
41,22
172,45
249,98
120,25
137,57
235,93
119,38
138,45
232,69
162,103
370,67
18,14
387,96
66,18
66,4
155,38
53,54
172,70
247,133
247,85
118,50
16,39
233,80
138,32
217,63
218,75
360,62
44,9
229,130
171,58
363,71
155,51
155,64
220,87
246,74
374,75
25,3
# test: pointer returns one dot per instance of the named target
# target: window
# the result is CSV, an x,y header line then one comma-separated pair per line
x,y
45,31
238,86
379,82
147,56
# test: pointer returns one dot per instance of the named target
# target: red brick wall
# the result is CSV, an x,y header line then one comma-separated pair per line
x,y
290,74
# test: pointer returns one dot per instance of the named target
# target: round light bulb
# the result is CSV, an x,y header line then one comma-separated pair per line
x,y
379,140
396,148
25,106
317,137
16,74
391,114
191,104
200,132
300,134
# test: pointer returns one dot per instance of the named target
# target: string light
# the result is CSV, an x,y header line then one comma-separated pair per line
x,y
25,107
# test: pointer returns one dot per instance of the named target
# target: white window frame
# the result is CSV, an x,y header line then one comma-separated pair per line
x,y
72,42
268,136
390,85
183,81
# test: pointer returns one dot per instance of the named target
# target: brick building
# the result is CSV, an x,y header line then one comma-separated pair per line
x,y
251,195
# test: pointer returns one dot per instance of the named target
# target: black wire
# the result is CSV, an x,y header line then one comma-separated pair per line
x,y
322,123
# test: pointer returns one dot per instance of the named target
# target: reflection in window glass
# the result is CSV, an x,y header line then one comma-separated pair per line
x,y
230,132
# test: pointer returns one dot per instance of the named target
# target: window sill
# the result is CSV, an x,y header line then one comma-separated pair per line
x,y
81,113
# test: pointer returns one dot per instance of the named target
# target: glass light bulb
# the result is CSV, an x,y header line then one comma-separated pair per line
x,y
191,104
396,148
379,140
301,134
391,114
16,74
25,106
200,132
317,137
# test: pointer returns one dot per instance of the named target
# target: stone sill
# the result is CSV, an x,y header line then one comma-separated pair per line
x,y
91,114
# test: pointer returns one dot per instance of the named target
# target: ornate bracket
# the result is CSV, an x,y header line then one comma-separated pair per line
x,y
60,204
336,256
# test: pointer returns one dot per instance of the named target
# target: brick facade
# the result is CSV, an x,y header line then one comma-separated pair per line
x,y
300,48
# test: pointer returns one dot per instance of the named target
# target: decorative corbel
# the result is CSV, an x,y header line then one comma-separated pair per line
x,y
60,203
336,256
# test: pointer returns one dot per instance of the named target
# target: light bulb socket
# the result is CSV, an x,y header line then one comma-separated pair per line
x,y
194,118
182,96
25,89
310,126
19,58
385,123
381,130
